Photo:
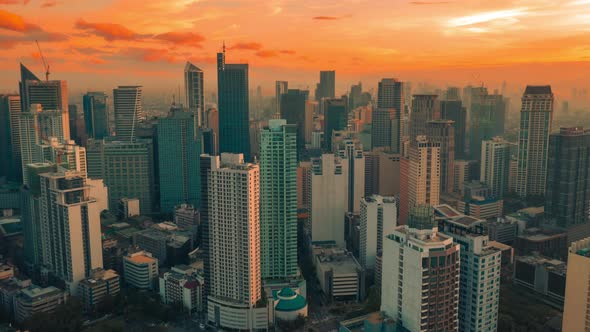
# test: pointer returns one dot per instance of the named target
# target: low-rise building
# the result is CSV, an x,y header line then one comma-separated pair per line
x,y
166,242
340,275
373,322
140,270
550,243
95,288
128,207
289,305
543,275
9,288
35,299
183,284
503,230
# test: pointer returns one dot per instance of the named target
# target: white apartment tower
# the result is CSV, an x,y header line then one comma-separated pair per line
x,y
495,165
378,218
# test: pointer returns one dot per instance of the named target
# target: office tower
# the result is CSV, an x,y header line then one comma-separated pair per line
x,y
96,114
513,174
70,226
355,96
378,219
52,95
281,87
420,176
10,164
424,108
77,127
335,118
479,288
443,132
234,186
128,111
329,204
209,140
29,138
327,86
278,200
452,93
293,109
454,110
127,169
420,277
465,171
179,150
495,165
536,117
371,173
577,294
193,91
386,118
350,151
234,114
310,107
213,123
206,162
567,198
486,119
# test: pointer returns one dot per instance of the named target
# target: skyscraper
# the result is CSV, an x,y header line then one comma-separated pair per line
x,y
70,226
293,109
96,114
567,199
350,150
378,218
278,200
327,86
179,150
454,110
486,119
536,117
420,277
281,87
193,90
10,164
443,132
234,113
424,108
577,294
128,111
52,95
495,165
234,204
335,118
386,119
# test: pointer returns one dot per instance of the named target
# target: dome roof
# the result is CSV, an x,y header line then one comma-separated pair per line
x,y
290,301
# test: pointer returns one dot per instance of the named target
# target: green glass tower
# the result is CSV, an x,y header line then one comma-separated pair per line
x,y
179,150
278,200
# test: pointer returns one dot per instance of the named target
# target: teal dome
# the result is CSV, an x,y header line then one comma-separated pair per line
x,y
290,301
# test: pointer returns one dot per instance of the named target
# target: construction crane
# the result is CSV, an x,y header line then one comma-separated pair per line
x,y
45,65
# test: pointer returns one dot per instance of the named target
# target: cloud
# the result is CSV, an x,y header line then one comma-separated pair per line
x,y
9,41
49,3
182,38
325,18
109,31
430,2
486,17
151,55
287,52
252,46
266,54
13,2
13,22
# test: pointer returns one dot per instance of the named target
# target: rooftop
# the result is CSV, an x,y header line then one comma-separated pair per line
x,y
338,260
538,90
554,265
140,258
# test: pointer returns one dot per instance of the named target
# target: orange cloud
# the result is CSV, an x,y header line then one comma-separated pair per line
x,y
246,46
13,22
325,18
13,2
430,2
49,3
182,38
288,51
151,55
109,31
266,54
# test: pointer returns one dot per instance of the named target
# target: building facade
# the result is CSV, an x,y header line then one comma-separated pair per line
x,y
495,165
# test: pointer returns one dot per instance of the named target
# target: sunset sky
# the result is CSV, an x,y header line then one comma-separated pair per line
x,y
98,44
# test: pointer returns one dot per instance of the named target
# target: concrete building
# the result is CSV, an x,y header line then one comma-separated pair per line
x,y
182,284
281,88
479,202
535,126
97,286
10,109
341,276
479,288
544,276
335,119
293,110
377,219
140,270
51,94
443,133
327,86
35,299
234,257
278,200
129,207
349,149
424,108
386,118
550,243
186,216
576,315
465,171
453,109
166,243
193,91
289,305
502,230
495,165
96,115
128,111
420,277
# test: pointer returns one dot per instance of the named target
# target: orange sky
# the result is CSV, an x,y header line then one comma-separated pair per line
x,y
98,44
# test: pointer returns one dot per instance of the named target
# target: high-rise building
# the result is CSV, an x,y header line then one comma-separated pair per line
x,y
567,198
179,150
424,108
576,314
70,226
355,96
378,218
281,87
386,118
454,110
212,116
479,288
293,109
206,162
420,173
77,127
128,111
278,200
420,277
327,86
127,169
234,113
486,119
443,132
96,114
536,117
10,109
50,94
193,90
234,204
335,118
495,165
350,151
